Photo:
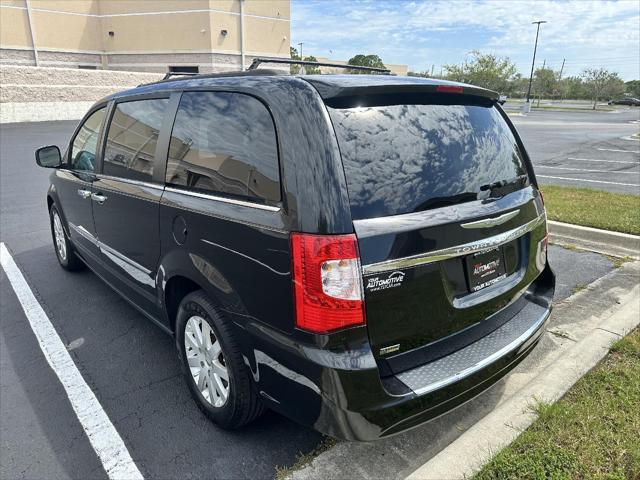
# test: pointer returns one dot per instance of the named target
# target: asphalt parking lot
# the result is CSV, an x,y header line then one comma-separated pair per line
x,y
583,148
130,364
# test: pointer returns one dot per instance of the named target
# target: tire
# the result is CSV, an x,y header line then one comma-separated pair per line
x,y
242,404
66,255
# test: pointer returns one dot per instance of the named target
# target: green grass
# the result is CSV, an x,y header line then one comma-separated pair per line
x,y
304,459
593,208
592,432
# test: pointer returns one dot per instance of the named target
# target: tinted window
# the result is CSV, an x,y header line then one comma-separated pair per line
x,y
132,138
406,158
85,145
224,143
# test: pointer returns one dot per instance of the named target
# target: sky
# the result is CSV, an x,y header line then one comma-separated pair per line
x,y
422,33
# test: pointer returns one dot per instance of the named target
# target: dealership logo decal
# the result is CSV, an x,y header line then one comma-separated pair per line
x,y
392,280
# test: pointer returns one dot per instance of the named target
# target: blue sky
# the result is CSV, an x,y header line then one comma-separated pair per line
x,y
422,33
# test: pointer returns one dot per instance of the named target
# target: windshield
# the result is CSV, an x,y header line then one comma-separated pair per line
x,y
405,158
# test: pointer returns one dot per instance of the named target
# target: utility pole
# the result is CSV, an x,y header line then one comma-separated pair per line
x,y
544,63
533,62
432,67
560,78
302,72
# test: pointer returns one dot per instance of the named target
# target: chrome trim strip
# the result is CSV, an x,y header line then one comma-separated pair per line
x,y
120,256
232,201
156,186
455,251
491,222
407,222
80,230
486,361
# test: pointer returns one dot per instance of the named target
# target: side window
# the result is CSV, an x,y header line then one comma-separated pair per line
x,y
85,144
224,143
132,137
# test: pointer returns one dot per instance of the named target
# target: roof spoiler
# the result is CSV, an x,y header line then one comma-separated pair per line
x,y
257,61
334,93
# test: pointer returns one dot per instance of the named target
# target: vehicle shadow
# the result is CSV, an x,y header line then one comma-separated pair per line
x,y
132,367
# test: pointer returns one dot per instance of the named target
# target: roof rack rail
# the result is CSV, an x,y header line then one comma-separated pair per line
x,y
246,73
168,75
257,61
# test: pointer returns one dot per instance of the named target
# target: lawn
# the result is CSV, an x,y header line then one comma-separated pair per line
x,y
593,208
592,432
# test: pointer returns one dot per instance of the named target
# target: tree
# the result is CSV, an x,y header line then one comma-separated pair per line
x,y
308,69
484,70
544,81
373,61
632,88
600,82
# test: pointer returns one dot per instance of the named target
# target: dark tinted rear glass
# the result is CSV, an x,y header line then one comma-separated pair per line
x,y
224,143
406,158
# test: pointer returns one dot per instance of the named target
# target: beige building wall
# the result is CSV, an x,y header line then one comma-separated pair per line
x,y
143,35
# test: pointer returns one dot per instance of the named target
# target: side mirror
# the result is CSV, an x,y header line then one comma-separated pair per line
x,y
49,157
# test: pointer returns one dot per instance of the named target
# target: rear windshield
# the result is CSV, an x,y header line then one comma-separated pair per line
x,y
403,158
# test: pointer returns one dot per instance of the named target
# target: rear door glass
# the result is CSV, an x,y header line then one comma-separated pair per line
x,y
402,158
224,143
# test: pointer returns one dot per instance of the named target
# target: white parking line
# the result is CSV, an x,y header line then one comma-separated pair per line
x,y
104,438
589,181
626,172
617,150
630,162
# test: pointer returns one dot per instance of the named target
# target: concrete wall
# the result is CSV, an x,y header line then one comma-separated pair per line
x,y
31,94
141,35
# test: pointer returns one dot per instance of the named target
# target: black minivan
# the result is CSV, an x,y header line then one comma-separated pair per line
x,y
360,253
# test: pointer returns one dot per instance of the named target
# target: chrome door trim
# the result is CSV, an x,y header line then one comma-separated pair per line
x,y
232,201
455,251
80,230
115,253
491,222
101,176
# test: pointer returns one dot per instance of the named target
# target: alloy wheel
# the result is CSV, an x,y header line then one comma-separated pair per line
x,y
206,361
58,233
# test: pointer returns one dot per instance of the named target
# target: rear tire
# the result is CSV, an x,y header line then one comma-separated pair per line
x,y
67,257
214,369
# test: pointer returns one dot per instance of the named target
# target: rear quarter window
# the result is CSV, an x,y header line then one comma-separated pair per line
x,y
224,143
403,158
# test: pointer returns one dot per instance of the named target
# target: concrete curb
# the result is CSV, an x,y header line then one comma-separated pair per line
x,y
601,241
475,448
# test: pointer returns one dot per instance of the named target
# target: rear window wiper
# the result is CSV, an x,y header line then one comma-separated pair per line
x,y
500,184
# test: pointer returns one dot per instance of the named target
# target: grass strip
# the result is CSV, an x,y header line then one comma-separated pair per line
x,y
593,208
592,432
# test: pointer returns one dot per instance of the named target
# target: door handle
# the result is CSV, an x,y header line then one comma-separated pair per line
x,y
96,197
84,193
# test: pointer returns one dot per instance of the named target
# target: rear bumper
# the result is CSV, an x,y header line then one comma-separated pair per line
x,y
345,396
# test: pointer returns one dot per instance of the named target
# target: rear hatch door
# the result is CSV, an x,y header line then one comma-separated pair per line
x,y
448,220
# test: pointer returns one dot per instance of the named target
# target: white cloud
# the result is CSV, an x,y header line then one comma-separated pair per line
x,y
419,33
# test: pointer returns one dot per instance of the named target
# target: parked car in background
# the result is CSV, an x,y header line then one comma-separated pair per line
x,y
502,99
634,102
360,253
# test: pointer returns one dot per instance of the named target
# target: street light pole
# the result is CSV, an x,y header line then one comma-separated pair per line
x,y
302,71
534,57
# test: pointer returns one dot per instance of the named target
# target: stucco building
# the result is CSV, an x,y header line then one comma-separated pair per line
x,y
143,35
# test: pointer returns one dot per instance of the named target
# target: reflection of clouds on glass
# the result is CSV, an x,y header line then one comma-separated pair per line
x,y
398,157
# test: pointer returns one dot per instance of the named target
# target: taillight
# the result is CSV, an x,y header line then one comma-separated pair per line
x,y
449,89
327,282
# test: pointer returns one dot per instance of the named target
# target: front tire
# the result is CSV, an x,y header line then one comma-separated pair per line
x,y
213,366
67,257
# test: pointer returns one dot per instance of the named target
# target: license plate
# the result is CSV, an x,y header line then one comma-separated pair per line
x,y
485,268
